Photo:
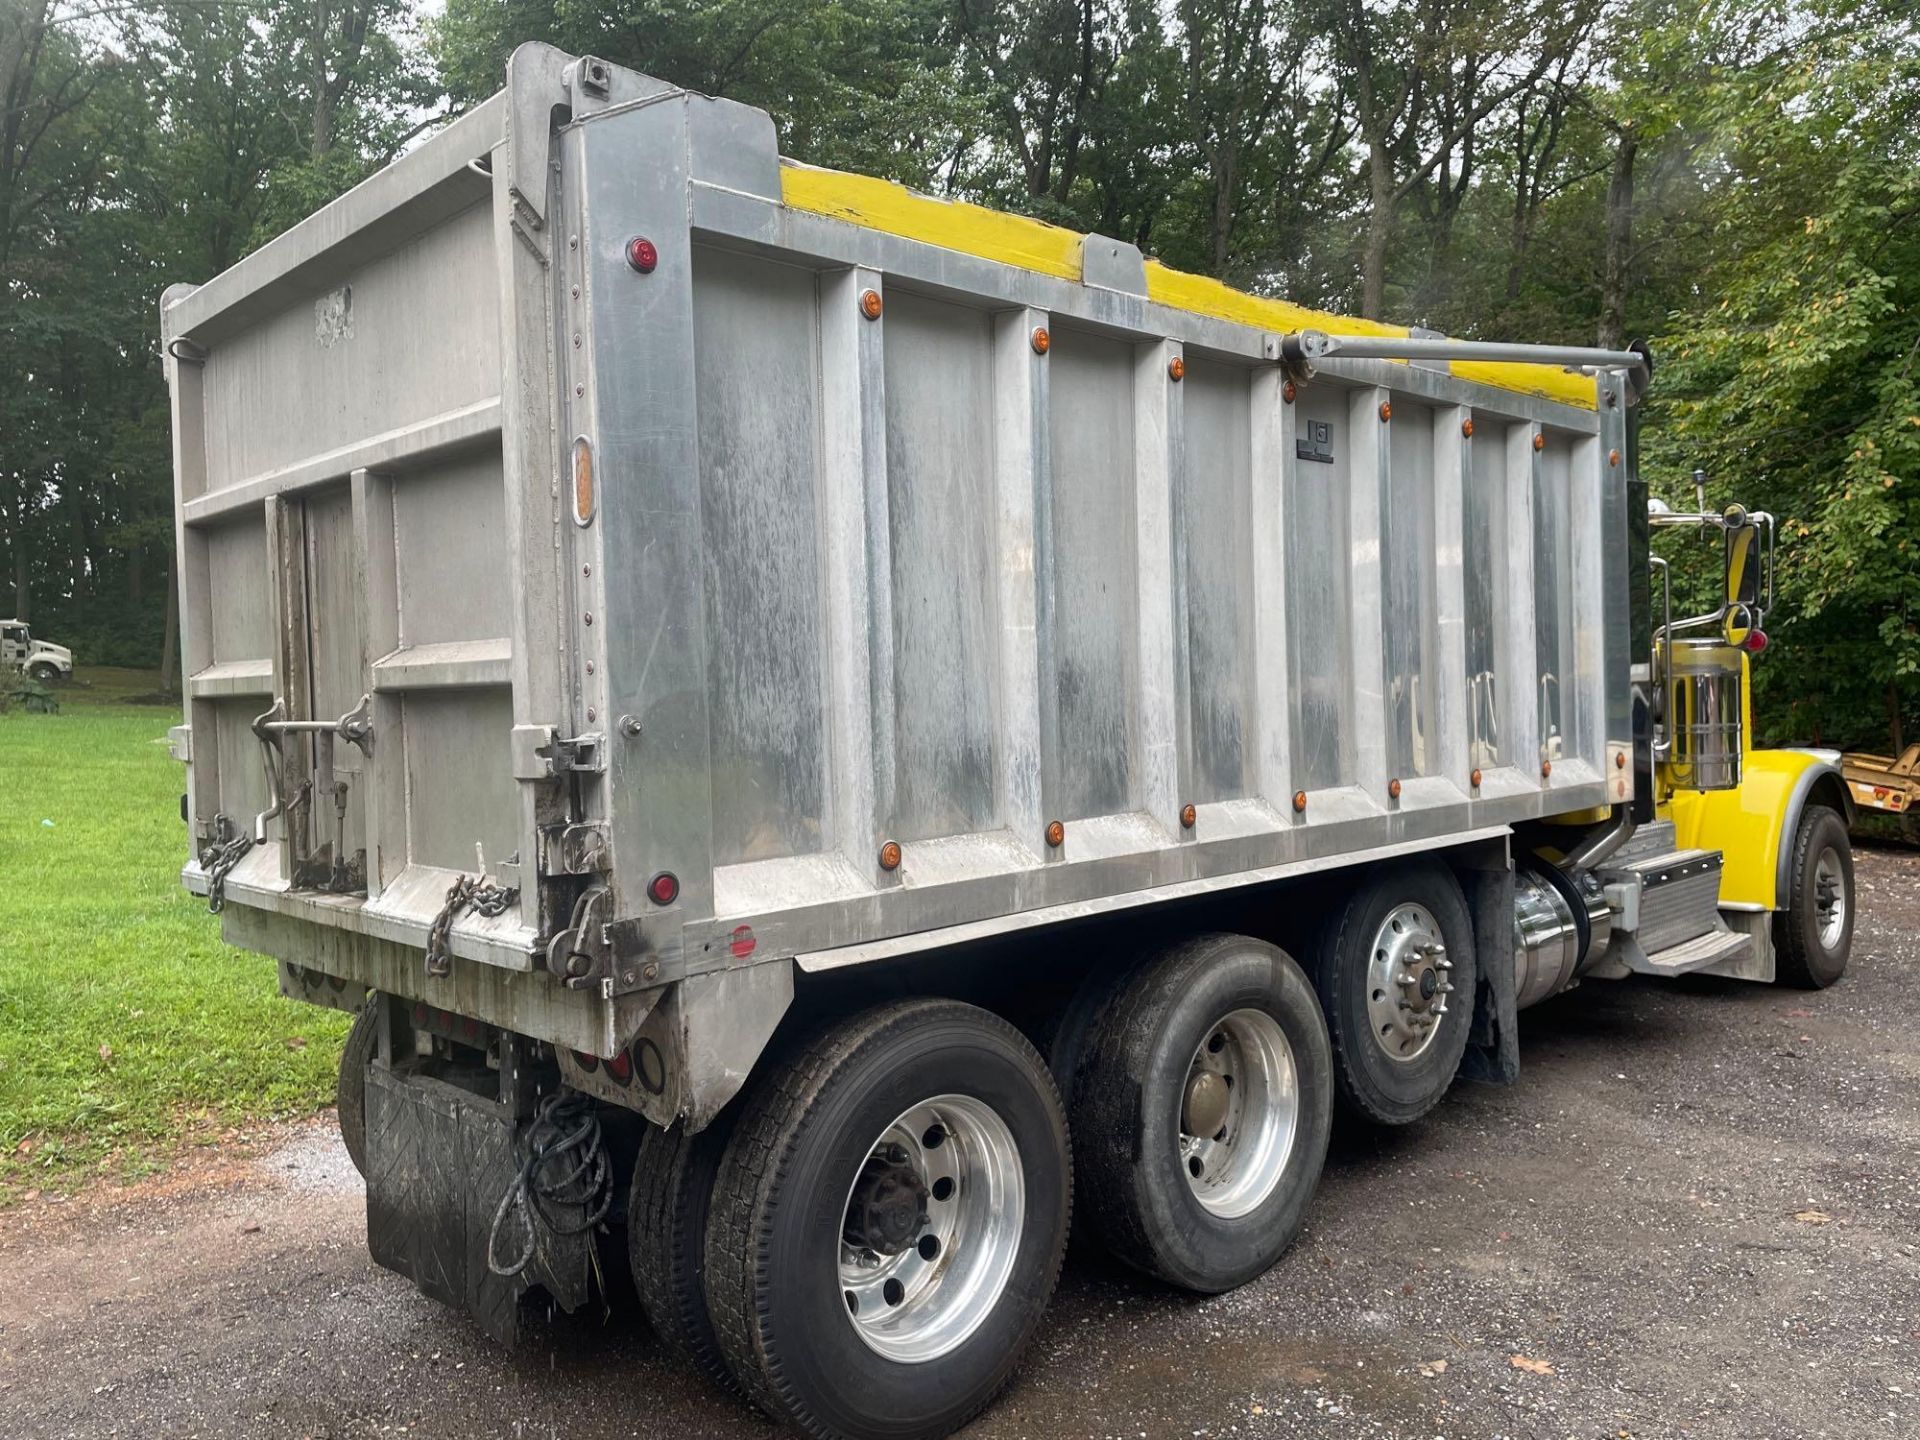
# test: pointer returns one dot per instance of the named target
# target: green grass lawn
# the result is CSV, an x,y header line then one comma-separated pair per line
x,y
126,1028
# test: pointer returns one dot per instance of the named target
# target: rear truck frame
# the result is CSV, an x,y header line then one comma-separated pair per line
x,y
778,702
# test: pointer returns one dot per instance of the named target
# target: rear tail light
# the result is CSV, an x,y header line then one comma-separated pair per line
x,y
1755,642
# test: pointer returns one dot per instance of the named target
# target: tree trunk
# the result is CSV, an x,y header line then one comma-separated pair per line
x,y
22,602
1615,277
322,95
1373,294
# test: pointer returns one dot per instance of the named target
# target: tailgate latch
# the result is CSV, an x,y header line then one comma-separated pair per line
x,y
540,752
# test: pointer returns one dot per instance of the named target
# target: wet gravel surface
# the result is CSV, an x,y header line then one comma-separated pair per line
x,y
1698,1214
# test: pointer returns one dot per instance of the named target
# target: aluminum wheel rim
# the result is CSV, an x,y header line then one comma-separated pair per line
x,y
1830,898
919,1303
1243,1077
1409,978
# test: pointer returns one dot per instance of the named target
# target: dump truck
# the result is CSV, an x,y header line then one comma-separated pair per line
x,y
820,731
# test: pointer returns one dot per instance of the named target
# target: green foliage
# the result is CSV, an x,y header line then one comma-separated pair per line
x,y
1733,177
33,697
1798,386
126,1027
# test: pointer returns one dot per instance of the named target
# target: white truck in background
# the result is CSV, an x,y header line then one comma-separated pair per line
x,y
39,659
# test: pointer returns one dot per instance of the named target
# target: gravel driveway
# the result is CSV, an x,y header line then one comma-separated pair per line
x,y
1698,1214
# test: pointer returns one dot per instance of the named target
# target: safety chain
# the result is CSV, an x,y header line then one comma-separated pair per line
x,y
468,892
223,852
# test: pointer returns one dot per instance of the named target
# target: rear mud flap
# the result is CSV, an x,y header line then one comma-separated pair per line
x,y
1493,1041
439,1158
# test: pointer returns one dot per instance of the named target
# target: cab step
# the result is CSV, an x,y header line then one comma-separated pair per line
x,y
1715,947
1666,904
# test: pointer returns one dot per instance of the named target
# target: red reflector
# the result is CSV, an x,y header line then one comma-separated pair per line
x,y
742,941
585,1061
620,1068
664,888
641,254
420,1015
1755,642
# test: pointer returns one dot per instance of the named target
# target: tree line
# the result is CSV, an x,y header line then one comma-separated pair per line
x,y
1736,180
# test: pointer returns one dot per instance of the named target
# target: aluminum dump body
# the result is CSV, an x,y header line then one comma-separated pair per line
x,y
919,573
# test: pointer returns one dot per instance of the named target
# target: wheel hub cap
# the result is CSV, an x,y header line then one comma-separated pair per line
x,y
1408,982
1205,1111
1239,1113
1830,898
889,1206
931,1228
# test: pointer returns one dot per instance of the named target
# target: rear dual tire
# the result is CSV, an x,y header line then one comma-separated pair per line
x,y
1203,1104
1396,973
888,1222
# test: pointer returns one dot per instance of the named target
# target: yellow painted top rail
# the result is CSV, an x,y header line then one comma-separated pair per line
x,y
1052,250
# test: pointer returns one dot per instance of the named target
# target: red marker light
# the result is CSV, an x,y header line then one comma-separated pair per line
x,y
642,255
620,1068
664,888
742,941
1755,642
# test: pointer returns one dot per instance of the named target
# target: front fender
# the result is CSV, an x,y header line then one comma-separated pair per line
x,y
1752,826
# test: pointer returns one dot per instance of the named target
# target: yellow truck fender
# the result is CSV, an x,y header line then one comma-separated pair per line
x,y
1753,825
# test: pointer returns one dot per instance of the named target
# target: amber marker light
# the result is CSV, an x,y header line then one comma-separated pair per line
x,y
1619,759
871,304
890,855
1539,442
1188,815
1393,789
1386,411
1056,834
1042,341
1546,769
582,481
1176,369
1299,802
1613,457
1466,429
1289,392
1474,779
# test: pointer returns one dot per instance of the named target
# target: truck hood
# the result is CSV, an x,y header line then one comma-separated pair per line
x,y
41,648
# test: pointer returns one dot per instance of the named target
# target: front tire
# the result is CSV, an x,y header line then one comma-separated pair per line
x,y
1202,1111
1396,974
1813,936
888,1222
43,672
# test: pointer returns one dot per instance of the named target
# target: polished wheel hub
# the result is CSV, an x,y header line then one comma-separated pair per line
x,y
1830,898
931,1228
1239,1113
1409,978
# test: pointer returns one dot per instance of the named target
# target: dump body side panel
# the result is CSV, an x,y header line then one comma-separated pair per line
x,y
876,589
